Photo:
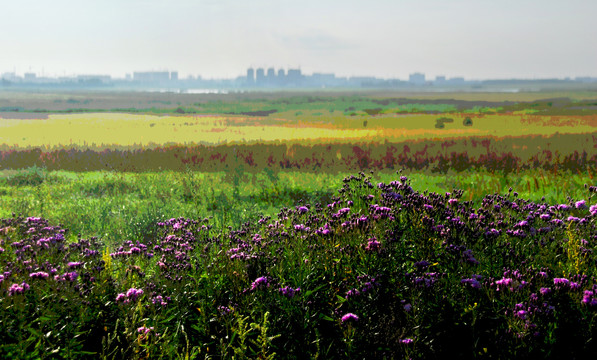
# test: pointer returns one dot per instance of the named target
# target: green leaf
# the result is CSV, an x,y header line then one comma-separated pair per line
x,y
309,292
325,317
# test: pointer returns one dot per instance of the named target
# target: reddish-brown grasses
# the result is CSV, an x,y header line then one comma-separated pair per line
x,y
573,152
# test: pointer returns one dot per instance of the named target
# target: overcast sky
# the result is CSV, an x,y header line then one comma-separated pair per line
x,y
476,39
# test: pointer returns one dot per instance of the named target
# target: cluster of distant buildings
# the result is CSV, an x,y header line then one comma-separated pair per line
x,y
261,78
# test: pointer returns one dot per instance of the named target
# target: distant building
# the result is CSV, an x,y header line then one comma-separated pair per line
x,y
260,76
271,75
294,76
321,79
440,80
94,79
30,76
281,77
456,81
174,76
10,76
250,76
151,76
417,78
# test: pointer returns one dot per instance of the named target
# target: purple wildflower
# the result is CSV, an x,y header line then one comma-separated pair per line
x,y
422,264
18,289
545,217
350,317
561,283
144,330
288,291
521,314
135,250
557,222
133,294
352,293
492,233
160,300
259,283
39,275
582,204
301,227
474,283
589,298
302,209
372,244
544,291
407,341
504,283
224,310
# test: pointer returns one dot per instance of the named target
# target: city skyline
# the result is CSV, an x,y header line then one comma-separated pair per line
x,y
386,39
255,75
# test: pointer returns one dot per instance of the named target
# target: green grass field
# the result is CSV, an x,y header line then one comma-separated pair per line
x,y
304,247
125,206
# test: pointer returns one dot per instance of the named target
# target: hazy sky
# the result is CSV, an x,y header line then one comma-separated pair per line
x,y
222,38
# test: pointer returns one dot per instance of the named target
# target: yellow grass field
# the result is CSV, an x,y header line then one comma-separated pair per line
x,y
109,130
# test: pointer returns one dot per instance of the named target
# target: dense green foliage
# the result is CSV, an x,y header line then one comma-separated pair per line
x,y
119,206
381,271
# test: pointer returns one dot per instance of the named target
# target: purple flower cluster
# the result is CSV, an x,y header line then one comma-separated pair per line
x,y
473,281
259,283
366,284
160,300
565,284
131,295
302,209
69,276
39,275
427,280
289,292
372,244
590,297
349,318
16,289
144,330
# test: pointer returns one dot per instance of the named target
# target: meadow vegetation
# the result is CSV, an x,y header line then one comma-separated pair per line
x,y
382,271
459,227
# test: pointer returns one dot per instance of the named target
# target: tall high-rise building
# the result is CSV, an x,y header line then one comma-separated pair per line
x,y
271,75
250,76
294,76
260,76
281,78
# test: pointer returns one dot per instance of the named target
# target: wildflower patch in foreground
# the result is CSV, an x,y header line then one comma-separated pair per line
x,y
380,271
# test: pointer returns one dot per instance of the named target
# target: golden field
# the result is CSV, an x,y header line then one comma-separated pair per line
x,y
109,130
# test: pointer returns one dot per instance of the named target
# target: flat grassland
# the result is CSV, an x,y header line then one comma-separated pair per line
x,y
247,225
